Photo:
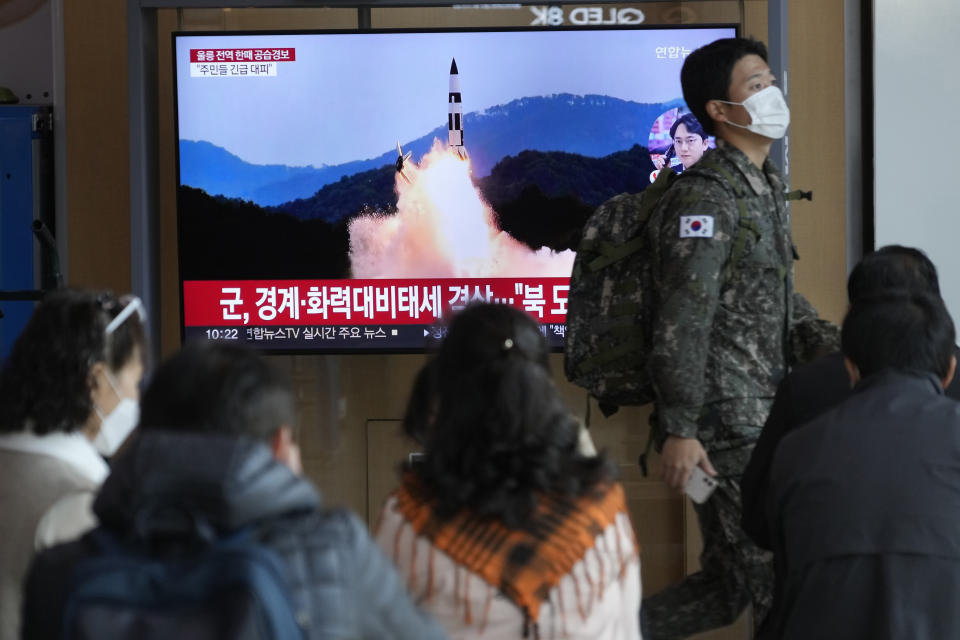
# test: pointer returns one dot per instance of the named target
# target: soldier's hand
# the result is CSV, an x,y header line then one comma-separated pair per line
x,y
679,457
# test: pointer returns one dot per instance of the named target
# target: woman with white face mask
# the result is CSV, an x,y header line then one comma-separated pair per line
x,y
68,398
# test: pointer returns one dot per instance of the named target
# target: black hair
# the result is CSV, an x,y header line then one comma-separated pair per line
x,y
899,329
706,74
218,388
501,435
422,404
45,383
893,267
691,123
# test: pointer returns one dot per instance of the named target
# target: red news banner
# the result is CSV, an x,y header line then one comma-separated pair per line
x,y
227,303
253,54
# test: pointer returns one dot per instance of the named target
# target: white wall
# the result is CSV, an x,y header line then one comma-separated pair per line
x,y
917,132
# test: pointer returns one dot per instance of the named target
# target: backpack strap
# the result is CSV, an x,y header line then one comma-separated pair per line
x,y
610,354
643,457
798,194
745,226
611,252
659,186
745,223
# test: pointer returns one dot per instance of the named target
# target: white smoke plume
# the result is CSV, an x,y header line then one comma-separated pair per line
x,y
442,229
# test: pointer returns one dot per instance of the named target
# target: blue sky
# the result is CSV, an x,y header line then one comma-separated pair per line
x,y
352,96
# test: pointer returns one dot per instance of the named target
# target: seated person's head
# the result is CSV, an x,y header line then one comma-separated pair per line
x,y
893,267
500,433
708,75
76,366
900,330
689,139
223,389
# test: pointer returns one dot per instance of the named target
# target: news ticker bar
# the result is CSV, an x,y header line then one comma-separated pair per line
x,y
342,337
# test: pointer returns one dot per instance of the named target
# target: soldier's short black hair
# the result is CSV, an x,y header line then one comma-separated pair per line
x,y
899,329
893,267
706,73
218,388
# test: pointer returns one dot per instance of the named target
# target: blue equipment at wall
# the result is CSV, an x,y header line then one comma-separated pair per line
x,y
28,256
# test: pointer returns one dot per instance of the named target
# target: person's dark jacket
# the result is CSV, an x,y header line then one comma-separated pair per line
x,y
804,394
341,583
864,510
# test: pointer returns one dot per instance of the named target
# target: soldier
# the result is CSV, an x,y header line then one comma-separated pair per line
x,y
727,325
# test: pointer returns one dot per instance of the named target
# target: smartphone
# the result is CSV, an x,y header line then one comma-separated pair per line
x,y
700,485
416,458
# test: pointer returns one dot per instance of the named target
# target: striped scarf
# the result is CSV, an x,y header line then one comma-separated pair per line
x,y
524,564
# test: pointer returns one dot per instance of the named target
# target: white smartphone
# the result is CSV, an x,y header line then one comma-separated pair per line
x,y
700,485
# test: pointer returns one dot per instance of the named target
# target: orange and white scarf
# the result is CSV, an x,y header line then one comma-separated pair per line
x,y
524,564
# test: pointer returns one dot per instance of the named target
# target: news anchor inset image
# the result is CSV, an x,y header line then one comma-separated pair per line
x,y
677,140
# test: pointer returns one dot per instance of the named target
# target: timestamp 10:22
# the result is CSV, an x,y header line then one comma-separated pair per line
x,y
223,334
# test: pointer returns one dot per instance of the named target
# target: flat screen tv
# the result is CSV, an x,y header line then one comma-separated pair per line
x,y
349,191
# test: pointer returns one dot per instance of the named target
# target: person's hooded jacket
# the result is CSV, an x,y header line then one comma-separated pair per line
x,y
341,584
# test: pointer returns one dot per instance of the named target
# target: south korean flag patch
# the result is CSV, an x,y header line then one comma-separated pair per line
x,y
696,226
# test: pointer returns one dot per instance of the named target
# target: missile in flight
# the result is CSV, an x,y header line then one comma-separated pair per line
x,y
404,164
455,113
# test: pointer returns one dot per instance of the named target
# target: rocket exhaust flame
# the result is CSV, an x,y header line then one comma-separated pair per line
x,y
443,229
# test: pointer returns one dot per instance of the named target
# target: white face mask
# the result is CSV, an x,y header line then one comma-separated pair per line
x,y
769,113
117,425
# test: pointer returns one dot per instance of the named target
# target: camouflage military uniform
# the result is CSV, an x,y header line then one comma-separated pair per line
x,y
728,325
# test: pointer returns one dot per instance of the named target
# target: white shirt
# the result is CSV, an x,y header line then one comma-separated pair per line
x,y
72,514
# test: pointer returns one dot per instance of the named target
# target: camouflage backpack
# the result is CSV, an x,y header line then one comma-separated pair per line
x,y
610,307
609,319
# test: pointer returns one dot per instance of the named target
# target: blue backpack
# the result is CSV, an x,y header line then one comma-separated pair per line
x,y
214,587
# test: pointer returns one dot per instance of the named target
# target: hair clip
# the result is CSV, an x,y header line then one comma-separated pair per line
x,y
134,306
